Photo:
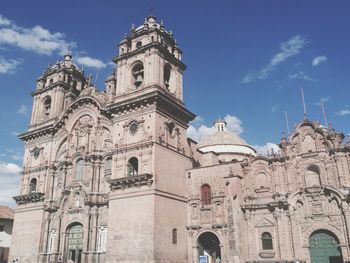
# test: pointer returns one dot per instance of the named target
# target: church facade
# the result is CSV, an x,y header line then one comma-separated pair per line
x,y
110,176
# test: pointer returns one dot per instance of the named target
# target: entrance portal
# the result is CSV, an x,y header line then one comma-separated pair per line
x,y
75,243
209,248
324,248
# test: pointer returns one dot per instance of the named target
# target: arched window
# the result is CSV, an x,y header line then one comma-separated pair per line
x,y
174,236
47,106
137,73
167,70
139,44
79,169
266,241
133,166
312,176
205,194
33,185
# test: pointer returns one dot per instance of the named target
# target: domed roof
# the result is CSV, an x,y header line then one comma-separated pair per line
x,y
222,138
223,141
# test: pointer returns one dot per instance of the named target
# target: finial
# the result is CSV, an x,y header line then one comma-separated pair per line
x,y
132,27
287,122
324,114
304,106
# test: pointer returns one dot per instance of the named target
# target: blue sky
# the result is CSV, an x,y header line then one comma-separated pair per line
x,y
247,60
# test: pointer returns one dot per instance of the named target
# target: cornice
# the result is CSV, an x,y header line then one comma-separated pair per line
x,y
29,198
131,182
164,51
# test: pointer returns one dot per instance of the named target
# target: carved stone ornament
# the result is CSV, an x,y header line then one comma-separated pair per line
x,y
36,152
133,127
29,198
267,254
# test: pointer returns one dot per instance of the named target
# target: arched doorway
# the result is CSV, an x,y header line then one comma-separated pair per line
x,y
209,248
324,247
74,243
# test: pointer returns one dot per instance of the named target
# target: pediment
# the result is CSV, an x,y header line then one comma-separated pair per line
x,y
265,222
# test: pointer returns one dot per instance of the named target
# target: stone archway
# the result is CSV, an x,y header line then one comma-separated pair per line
x,y
324,247
74,242
208,248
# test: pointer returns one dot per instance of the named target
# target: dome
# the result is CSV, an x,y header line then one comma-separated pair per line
x,y
223,141
222,138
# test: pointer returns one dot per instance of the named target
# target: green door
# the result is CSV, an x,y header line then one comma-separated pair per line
x,y
324,248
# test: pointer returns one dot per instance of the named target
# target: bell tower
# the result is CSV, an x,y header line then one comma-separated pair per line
x,y
149,58
147,201
60,84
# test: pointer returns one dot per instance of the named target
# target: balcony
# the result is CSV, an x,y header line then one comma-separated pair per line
x,y
33,197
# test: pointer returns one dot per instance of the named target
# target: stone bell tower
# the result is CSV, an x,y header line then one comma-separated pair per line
x,y
56,87
149,57
147,202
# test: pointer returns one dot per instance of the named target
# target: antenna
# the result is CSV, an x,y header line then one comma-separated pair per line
x,y
324,114
304,106
287,123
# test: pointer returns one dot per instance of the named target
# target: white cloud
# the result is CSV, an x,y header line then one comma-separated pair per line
x,y
91,62
322,100
318,60
300,75
4,21
38,40
267,149
288,49
23,110
343,112
111,64
10,182
274,108
197,131
234,124
8,66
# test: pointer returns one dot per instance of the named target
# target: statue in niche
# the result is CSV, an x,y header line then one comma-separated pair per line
x,y
76,199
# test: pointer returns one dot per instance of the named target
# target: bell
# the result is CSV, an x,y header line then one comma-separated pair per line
x,y
138,80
